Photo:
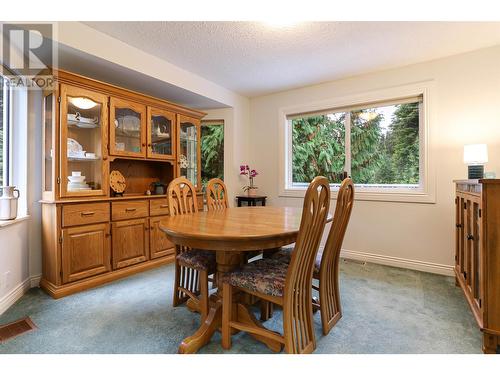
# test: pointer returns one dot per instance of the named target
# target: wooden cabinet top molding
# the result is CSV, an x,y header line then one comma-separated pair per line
x,y
112,90
478,181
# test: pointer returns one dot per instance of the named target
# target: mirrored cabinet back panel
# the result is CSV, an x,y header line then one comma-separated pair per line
x,y
108,156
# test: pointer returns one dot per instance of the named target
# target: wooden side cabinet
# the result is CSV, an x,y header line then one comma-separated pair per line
x,y
85,252
477,253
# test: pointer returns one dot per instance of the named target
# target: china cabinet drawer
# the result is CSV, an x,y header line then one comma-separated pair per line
x,y
86,213
129,210
158,207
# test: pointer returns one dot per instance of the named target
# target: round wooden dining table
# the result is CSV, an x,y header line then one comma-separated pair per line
x,y
231,232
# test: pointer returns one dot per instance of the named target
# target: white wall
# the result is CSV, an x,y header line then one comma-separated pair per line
x,y
466,109
20,243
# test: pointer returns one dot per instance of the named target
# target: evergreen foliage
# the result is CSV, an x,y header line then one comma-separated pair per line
x,y
378,156
212,152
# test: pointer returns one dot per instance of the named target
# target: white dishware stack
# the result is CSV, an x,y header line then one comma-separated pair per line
x,y
8,203
77,182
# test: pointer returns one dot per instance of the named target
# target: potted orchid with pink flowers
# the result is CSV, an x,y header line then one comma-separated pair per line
x,y
250,189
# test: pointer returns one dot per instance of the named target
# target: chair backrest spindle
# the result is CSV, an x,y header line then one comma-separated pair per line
x,y
181,196
216,195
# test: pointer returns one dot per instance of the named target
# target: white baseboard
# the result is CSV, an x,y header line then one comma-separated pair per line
x,y
441,269
9,299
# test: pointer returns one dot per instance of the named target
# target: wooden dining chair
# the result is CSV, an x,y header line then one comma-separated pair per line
x,y
192,266
216,192
216,195
287,285
326,267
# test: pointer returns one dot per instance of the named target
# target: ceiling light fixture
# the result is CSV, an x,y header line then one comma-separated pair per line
x,y
280,23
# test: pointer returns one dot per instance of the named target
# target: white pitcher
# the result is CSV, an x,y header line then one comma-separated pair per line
x,y
8,203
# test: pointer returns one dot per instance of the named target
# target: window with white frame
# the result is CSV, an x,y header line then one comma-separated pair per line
x,y
380,144
4,131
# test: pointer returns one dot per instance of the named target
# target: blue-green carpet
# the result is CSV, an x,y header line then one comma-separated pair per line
x,y
385,310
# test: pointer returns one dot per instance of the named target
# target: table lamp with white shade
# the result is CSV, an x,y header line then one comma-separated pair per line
x,y
475,156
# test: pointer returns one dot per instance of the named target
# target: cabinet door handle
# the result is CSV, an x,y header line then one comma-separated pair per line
x,y
163,205
130,209
458,225
470,237
87,213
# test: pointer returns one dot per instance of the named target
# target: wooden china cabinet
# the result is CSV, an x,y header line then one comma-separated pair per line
x,y
91,236
477,256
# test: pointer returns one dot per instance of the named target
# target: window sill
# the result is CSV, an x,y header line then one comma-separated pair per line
x,y
359,195
7,223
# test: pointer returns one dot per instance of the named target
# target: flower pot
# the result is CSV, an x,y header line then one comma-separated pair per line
x,y
252,192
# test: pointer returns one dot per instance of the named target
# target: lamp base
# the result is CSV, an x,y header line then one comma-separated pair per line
x,y
476,171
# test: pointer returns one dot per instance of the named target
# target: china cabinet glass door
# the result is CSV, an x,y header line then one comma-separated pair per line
x,y
84,122
188,155
127,128
48,135
161,136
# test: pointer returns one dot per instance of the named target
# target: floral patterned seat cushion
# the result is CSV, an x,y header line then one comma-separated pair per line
x,y
198,259
285,255
266,276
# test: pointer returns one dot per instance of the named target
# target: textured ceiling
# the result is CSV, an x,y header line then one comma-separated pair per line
x,y
253,58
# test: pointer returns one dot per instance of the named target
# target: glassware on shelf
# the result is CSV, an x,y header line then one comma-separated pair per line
x,y
160,134
127,128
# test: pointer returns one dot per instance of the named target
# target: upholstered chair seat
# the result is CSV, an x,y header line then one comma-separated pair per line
x,y
266,276
198,259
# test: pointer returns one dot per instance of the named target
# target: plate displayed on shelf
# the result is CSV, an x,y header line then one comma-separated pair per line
x,y
183,161
77,117
74,146
83,125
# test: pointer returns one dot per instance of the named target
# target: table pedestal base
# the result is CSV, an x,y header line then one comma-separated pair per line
x,y
212,323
